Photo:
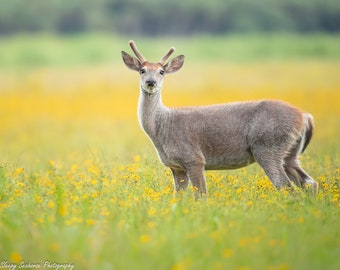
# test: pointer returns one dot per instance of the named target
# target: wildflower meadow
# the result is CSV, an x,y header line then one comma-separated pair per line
x,y
81,186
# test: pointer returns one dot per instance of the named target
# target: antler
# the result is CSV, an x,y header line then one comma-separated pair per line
x,y
135,50
165,57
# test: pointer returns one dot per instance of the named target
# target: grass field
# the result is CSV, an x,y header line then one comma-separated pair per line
x,y
81,186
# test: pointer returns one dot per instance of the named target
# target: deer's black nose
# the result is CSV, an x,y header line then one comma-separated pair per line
x,y
150,83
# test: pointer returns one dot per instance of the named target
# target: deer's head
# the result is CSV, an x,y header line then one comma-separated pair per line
x,y
152,74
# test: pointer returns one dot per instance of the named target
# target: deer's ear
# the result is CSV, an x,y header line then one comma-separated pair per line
x,y
174,64
131,62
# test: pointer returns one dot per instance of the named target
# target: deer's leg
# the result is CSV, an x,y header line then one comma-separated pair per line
x,y
306,180
276,174
301,178
181,180
197,178
273,167
293,175
291,163
296,173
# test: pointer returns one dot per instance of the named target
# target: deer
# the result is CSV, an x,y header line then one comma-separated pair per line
x,y
190,140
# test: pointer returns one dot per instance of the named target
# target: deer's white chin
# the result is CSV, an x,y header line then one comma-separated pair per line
x,y
151,90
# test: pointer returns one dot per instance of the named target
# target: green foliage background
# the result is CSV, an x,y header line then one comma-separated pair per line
x,y
27,51
177,17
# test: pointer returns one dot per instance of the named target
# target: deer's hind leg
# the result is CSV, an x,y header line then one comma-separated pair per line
x,y
291,164
295,172
272,163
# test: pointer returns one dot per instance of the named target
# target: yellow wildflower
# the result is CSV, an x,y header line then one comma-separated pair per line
x,y
145,238
16,257
228,253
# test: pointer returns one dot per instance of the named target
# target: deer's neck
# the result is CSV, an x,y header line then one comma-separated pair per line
x,y
151,111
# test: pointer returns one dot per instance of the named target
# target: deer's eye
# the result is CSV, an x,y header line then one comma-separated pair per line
x,y
161,72
142,71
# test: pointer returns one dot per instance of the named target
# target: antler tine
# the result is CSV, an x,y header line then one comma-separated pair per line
x,y
135,50
165,57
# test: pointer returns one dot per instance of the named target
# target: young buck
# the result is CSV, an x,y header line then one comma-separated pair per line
x,y
190,140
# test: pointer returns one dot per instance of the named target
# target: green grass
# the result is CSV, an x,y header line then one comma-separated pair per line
x,y
96,49
125,217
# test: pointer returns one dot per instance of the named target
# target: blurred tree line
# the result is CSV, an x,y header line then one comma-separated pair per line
x,y
175,17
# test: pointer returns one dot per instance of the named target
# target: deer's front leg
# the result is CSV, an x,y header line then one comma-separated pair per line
x,y
197,178
181,179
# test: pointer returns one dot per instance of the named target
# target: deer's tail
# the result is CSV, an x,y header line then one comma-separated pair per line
x,y
308,132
